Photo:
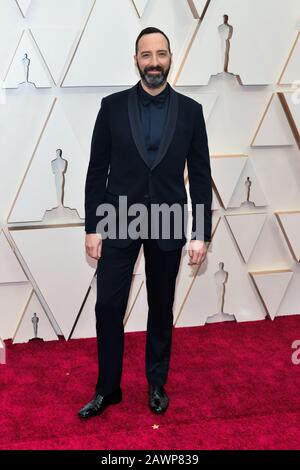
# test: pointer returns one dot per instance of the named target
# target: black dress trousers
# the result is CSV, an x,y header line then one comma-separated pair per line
x,y
114,276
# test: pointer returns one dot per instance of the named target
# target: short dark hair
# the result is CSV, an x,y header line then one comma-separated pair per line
x,y
150,30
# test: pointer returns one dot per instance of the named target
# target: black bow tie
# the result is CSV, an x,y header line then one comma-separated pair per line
x,y
158,100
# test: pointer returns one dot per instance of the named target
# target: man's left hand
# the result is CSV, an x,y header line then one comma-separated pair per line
x,y
197,251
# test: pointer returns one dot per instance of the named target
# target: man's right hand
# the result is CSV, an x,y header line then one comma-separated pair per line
x,y
93,245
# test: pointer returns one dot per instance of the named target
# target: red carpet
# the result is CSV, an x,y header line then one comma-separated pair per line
x,y
231,386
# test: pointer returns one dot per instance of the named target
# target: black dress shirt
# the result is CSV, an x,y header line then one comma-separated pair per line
x,y
153,112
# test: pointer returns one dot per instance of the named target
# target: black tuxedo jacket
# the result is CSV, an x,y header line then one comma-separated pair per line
x,y
119,166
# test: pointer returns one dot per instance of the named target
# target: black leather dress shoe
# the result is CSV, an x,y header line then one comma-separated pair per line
x,y
158,399
99,403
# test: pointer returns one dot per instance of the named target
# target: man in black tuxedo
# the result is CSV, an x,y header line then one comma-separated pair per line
x,y
142,139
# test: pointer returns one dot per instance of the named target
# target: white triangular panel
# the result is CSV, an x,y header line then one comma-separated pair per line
x,y
290,304
86,324
55,45
186,272
294,106
60,267
24,5
21,121
40,179
139,267
235,115
292,69
201,299
89,66
272,287
240,297
90,63
10,32
215,205
290,222
16,75
173,17
246,229
2,352
13,300
184,280
254,65
226,172
211,64
83,123
140,6
274,128
10,269
208,101
240,193
25,330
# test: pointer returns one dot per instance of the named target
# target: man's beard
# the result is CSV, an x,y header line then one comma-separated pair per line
x,y
154,80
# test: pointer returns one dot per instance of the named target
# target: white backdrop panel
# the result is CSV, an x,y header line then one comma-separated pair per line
x,y
250,45
57,260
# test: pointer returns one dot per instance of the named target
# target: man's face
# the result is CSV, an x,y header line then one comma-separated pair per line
x,y
153,59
